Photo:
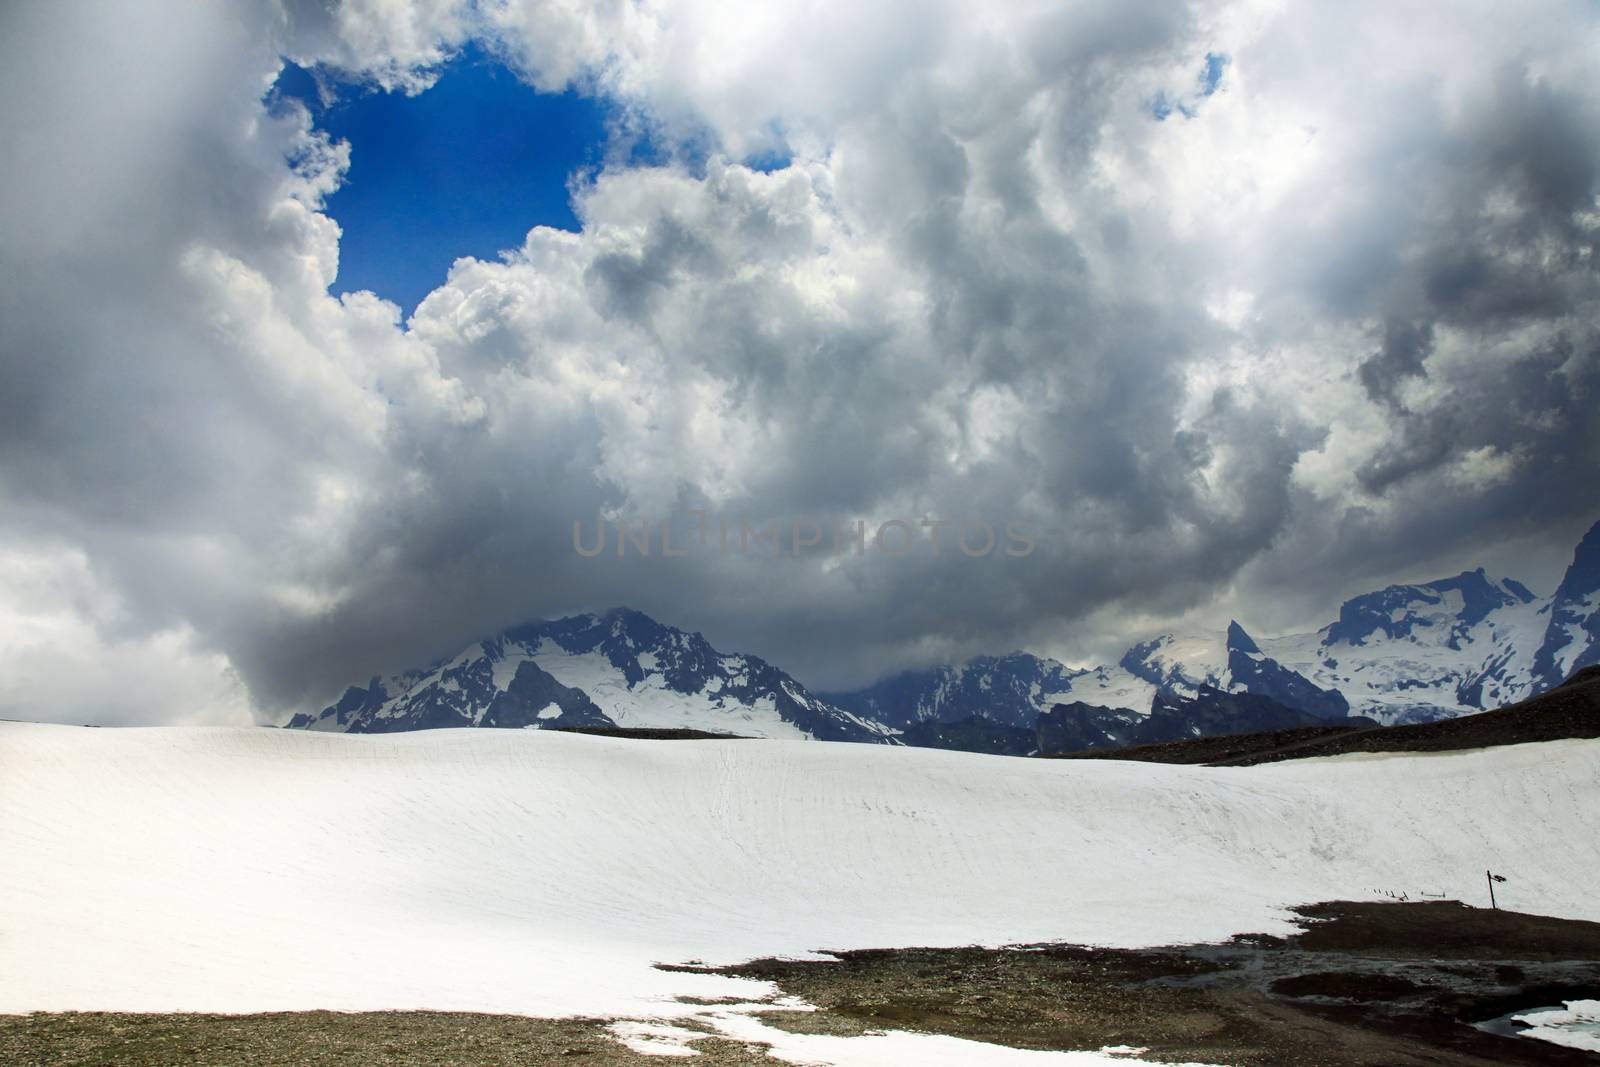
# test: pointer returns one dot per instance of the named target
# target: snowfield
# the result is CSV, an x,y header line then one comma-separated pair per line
x,y
541,873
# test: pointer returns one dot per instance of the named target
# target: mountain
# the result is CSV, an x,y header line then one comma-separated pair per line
x,y
1213,712
1077,726
1015,690
1210,712
1405,653
1572,638
1187,666
1411,653
618,669
972,734
1402,654
1010,690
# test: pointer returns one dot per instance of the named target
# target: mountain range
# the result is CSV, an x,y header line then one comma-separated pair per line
x,y
1402,654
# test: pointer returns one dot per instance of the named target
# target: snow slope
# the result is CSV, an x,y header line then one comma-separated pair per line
x,y
544,873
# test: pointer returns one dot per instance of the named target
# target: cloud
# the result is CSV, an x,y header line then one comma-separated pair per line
x,y
69,658
1405,348
1339,323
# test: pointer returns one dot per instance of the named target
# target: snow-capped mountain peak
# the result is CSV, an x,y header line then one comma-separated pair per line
x,y
1449,609
620,668
1230,661
1572,635
1420,651
1181,662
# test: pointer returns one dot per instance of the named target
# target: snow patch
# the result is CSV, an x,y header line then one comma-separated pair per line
x,y
1576,1027
1111,687
655,1039
899,1048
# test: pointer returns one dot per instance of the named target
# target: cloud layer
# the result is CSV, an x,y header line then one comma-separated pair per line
x,y
1330,323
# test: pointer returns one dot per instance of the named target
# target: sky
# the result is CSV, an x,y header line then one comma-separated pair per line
x,y
323,324
464,168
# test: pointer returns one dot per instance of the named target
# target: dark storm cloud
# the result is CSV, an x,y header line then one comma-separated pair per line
x,y
1526,406
1405,347
1511,243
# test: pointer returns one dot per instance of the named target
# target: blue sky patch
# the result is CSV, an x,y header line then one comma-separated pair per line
x,y
1163,105
465,168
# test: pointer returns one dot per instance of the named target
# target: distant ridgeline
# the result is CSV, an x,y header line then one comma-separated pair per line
x,y
1404,654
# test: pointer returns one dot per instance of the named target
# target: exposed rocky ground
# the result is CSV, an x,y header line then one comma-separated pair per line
x,y
645,733
329,1039
1365,985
